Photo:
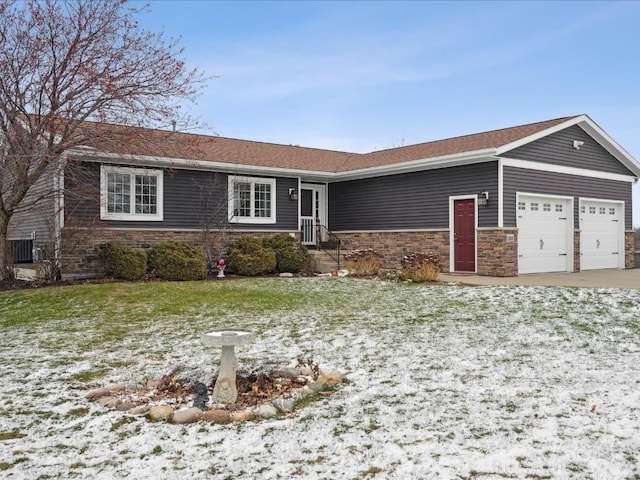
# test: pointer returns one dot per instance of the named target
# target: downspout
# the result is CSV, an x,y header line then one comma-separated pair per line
x,y
500,194
58,180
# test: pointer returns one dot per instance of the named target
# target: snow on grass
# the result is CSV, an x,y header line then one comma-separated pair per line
x,y
444,382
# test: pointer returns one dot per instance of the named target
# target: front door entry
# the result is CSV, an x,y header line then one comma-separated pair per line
x,y
311,212
464,235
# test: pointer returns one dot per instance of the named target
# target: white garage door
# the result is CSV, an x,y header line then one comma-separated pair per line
x,y
600,235
543,234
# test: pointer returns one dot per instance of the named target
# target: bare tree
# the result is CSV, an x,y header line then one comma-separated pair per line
x,y
213,216
67,68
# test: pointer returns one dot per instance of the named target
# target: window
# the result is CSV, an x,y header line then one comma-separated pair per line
x,y
252,200
592,210
559,208
130,193
546,207
602,210
522,205
534,206
612,211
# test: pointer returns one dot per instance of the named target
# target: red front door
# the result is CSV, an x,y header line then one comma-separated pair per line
x,y
464,235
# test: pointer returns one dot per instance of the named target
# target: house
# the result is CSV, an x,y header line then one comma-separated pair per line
x,y
553,196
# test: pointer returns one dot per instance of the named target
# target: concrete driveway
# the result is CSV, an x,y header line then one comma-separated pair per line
x,y
589,279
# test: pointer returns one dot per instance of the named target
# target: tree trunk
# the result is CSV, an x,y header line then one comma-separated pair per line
x,y
6,262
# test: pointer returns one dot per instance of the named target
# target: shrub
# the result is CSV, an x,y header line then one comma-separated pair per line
x,y
290,257
177,261
421,267
122,262
248,256
363,262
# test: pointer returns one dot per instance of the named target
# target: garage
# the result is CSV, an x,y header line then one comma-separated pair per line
x,y
544,234
600,234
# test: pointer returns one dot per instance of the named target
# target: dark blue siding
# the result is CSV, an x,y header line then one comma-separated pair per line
x,y
417,200
558,149
186,195
533,181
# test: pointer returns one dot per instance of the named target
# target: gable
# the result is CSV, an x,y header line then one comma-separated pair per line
x,y
557,148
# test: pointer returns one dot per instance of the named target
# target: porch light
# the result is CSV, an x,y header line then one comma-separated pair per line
x,y
483,198
293,193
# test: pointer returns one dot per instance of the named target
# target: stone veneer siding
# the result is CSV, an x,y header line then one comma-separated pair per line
x,y
79,250
629,247
497,252
576,251
395,245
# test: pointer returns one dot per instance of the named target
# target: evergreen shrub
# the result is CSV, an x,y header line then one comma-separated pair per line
x,y
177,261
248,256
290,256
123,262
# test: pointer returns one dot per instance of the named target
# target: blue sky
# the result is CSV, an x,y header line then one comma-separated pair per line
x,y
362,76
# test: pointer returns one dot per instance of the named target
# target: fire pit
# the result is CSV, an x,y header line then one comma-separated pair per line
x,y
225,390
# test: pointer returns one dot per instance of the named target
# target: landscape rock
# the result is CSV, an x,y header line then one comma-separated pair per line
x,y
216,415
331,377
97,393
266,411
284,405
286,275
108,402
160,413
124,405
317,386
240,416
115,388
187,415
141,410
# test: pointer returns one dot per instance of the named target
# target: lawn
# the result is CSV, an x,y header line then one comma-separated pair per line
x,y
443,381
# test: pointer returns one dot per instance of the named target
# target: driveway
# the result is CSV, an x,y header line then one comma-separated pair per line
x,y
591,278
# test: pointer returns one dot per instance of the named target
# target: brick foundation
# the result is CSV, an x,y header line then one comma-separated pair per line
x,y
79,251
395,245
497,252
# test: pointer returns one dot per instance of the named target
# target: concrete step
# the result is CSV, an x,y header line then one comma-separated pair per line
x,y
321,262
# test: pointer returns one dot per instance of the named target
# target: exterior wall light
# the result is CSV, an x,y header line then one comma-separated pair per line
x,y
293,194
483,198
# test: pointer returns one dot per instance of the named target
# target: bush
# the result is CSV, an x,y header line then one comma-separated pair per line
x,y
177,261
122,262
248,256
363,263
290,257
421,267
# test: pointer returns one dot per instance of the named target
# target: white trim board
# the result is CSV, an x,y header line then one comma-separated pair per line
x,y
551,168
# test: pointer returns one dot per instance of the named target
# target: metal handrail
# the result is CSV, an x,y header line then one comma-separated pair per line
x,y
331,246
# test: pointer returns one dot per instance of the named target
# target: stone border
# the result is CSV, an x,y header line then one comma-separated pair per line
x,y
175,409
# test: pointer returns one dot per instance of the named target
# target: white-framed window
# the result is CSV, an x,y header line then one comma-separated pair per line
x,y
522,205
130,193
252,200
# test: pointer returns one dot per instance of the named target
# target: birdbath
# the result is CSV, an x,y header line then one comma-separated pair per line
x,y
225,390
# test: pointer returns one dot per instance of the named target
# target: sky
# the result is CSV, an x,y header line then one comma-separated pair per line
x,y
360,76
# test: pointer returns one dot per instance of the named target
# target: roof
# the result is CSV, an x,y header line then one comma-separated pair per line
x,y
176,148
